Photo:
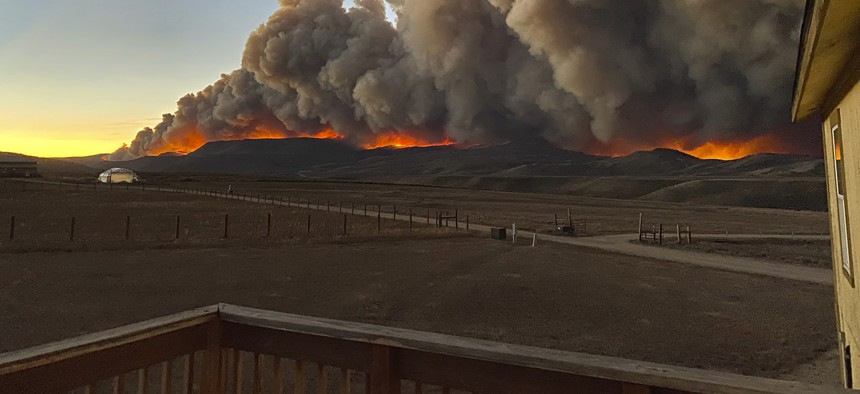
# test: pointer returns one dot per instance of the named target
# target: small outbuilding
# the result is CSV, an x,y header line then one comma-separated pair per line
x,y
18,169
118,175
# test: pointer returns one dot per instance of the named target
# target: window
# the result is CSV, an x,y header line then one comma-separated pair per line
x,y
841,190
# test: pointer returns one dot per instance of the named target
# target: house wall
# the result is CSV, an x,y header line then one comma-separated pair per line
x,y
847,290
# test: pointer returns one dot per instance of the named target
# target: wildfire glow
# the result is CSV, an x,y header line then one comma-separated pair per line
x,y
401,140
715,149
189,142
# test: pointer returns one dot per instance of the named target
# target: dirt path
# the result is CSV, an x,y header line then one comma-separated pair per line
x,y
621,244
618,244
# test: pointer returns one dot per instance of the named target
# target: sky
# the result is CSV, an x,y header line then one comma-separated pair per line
x,y
81,77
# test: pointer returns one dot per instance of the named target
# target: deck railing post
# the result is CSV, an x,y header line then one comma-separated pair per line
x,y
383,376
212,367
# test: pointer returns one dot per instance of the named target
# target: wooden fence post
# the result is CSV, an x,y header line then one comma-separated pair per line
x,y
344,225
640,227
353,208
269,225
428,216
689,235
127,227
72,230
379,221
395,213
365,209
569,218
309,224
661,234
340,207
467,222
678,227
226,226
555,219
177,227
456,219
514,233
328,206
410,219
12,229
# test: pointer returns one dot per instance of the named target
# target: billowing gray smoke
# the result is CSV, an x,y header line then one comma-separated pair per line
x,y
575,72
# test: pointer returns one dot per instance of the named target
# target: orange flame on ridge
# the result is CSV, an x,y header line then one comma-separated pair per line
x,y
400,140
189,142
714,149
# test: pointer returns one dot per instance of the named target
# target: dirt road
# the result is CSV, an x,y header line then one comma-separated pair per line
x,y
620,244
611,243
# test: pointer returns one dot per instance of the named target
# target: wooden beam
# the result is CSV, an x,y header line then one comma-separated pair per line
x,y
592,368
492,377
320,349
213,361
66,365
384,377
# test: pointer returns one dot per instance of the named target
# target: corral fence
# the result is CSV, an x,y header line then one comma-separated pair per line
x,y
229,349
655,233
570,226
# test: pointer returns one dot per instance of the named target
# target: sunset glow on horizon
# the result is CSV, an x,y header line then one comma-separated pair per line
x,y
80,78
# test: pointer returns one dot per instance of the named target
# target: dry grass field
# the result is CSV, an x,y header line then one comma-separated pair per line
x,y
43,221
811,253
555,296
535,211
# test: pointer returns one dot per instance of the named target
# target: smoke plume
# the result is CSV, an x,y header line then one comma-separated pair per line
x,y
574,72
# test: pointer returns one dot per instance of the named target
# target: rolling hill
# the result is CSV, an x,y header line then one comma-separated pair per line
x,y
764,180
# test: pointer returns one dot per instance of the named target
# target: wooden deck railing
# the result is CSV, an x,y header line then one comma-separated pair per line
x,y
230,349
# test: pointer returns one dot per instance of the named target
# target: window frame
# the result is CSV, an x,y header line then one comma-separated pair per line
x,y
842,215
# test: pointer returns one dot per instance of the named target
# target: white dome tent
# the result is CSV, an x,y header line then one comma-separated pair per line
x,y
118,175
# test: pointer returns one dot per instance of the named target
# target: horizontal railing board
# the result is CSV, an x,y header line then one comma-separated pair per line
x,y
68,364
73,372
492,377
601,367
55,351
334,352
464,363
